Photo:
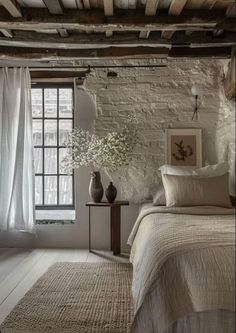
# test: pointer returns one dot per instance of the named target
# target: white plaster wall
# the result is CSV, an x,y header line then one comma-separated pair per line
x,y
160,98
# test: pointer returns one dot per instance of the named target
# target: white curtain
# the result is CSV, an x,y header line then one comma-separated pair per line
x,y
16,151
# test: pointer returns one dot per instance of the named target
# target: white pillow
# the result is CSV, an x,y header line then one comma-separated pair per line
x,y
213,170
167,169
207,171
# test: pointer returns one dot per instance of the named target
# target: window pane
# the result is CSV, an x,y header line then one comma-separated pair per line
x,y
38,160
37,132
38,190
65,194
65,127
50,190
50,160
50,102
50,132
37,102
65,103
63,152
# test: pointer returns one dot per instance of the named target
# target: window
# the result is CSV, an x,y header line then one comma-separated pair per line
x,y
52,108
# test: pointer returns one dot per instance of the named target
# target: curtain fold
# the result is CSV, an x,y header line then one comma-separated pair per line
x,y
16,151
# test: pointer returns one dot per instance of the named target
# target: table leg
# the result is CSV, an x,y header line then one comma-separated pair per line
x,y
115,229
89,229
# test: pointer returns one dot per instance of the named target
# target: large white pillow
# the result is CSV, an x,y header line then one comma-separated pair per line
x,y
215,170
207,171
167,169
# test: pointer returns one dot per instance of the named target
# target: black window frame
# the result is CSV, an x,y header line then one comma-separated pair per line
x,y
57,86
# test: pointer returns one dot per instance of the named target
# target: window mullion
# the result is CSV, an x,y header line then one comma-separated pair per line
x,y
58,170
43,164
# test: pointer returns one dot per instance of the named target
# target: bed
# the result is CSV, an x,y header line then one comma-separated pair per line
x,y
183,270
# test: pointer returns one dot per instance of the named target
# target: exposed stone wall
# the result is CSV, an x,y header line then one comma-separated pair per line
x,y
160,98
225,131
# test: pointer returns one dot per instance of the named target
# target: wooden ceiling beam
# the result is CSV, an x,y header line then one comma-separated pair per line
x,y
144,34
167,34
40,54
176,7
111,53
6,33
37,40
108,7
54,6
123,21
151,7
12,7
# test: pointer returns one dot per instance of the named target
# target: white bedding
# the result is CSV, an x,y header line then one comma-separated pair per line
x,y
183,262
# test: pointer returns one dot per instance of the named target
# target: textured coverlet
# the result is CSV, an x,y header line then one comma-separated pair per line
x,y
183,262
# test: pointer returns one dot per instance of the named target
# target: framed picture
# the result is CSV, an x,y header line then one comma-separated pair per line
x,y
184,147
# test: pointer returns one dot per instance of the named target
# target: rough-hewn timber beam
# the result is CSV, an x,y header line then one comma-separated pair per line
x,y
151,7
108,7
176,7
123,21
6,33
85,41
54,6
123,53
12,7
42,54
144,34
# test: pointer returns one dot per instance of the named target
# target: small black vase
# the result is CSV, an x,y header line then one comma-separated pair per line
x,y
111,193
95,187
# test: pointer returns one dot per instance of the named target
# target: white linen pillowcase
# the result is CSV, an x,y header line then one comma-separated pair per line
x,y
214,170
197,191
159,198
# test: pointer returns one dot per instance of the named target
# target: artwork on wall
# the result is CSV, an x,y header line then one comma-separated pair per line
x,y
184,147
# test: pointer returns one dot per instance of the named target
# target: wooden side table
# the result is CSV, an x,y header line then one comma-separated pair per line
x,y
115,217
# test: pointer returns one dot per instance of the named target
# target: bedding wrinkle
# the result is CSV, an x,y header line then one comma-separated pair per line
x,y
183,262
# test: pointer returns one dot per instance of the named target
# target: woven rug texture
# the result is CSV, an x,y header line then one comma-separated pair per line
x,y
76,297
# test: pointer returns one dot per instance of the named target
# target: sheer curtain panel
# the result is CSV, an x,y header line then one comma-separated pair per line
x,y
16,151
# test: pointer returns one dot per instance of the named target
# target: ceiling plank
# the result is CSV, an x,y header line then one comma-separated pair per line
x,y
108,7
6,33
144,34
12,7
151,7
93,41
176,7
128,20
121,53
54,6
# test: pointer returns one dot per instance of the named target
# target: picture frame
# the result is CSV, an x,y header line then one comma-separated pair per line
x,y
184,147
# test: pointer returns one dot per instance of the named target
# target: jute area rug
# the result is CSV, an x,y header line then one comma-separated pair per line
x,y
76,297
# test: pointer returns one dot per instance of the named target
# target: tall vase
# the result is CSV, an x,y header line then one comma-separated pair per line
x,y
95,187
111,193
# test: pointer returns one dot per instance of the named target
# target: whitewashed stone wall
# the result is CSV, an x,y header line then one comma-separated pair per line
x,y
160,98
225,132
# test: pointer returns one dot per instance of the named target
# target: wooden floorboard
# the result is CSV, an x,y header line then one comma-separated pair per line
x,y
21,268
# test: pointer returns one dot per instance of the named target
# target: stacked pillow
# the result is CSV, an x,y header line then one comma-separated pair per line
x,y
207,186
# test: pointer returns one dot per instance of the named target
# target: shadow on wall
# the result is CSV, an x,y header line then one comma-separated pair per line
x,y
85,109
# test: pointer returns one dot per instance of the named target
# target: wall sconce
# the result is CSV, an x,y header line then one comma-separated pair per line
x,y
196,93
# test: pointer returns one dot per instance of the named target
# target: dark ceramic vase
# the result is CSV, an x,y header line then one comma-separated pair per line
x,y
111,193
95,187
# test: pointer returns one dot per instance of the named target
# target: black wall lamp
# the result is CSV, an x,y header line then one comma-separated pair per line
x,y
196,93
